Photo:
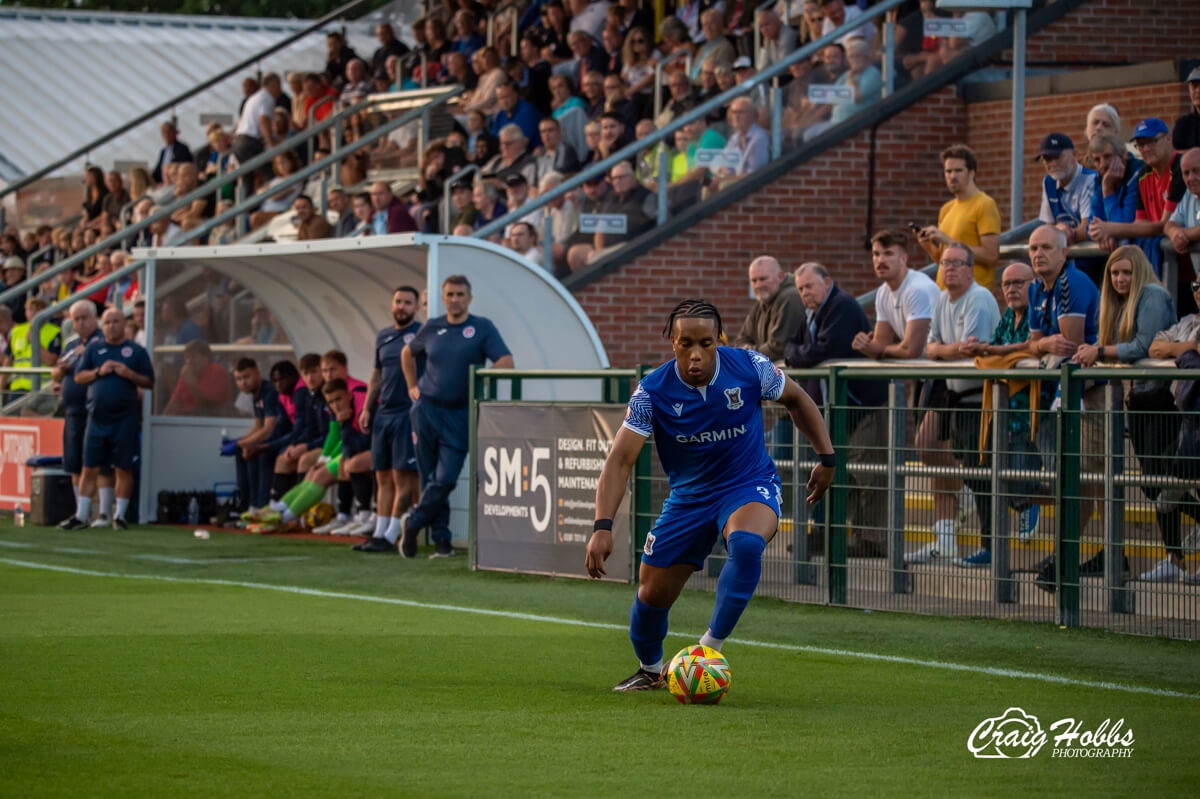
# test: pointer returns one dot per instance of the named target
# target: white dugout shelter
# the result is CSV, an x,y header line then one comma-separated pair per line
x,y
336,294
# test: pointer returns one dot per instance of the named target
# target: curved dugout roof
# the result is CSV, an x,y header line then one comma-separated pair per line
x,y
336,293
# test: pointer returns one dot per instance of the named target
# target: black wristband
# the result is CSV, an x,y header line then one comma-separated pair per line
x,y
828,459
602,524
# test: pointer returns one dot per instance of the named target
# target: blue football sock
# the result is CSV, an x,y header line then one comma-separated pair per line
x,y
737,582
647,629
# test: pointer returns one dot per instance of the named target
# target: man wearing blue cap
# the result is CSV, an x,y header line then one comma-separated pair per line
x,y
1186,134
1067,188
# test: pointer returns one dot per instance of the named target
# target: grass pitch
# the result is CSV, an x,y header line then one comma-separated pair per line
x,y
212,683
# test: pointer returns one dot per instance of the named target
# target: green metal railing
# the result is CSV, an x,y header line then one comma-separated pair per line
x,y
1099,488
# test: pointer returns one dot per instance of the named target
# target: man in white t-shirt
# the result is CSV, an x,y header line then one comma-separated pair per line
x,y
252,135
837,13
966,313
903,304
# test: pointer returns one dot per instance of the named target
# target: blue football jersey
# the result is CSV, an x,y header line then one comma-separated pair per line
x,y
709,438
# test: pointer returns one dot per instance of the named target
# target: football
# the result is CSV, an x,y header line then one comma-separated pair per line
x,y
318,515
698,675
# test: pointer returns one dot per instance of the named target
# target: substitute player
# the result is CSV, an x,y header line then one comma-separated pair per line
x,y
392,455
703,410
113,369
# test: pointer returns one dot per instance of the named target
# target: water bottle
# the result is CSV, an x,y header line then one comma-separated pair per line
x,y
194,511
224,434
19,515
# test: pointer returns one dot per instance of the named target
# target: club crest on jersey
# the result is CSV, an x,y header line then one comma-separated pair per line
x,y
126,352
733,397
469,331
678,408
408,337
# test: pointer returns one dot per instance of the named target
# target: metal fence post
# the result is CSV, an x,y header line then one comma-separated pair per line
x,y
835,524
806,573
901,578
889,54
664,178
1068,523
1120,599
1001,533
776,123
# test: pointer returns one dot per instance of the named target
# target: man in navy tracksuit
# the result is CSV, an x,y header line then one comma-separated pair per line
x,y
451,344
74,396
113,369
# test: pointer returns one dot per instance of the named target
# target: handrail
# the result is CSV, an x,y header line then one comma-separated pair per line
x,y
512,6
117,131
757,31
686,55
203,190
303,174
627,152
1019,233
455,178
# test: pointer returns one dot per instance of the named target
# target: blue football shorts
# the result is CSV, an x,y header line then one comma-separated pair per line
x,y
686,529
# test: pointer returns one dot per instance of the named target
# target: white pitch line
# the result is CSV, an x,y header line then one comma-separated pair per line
x,y
211,561
818,650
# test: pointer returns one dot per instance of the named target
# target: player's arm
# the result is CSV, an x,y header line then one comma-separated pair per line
x,y
408,364
364,418
806,416
609,492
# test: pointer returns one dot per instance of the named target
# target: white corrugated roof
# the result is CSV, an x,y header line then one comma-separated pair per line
x,y
67,77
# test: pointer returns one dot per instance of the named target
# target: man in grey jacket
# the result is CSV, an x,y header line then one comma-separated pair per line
x,y
776,315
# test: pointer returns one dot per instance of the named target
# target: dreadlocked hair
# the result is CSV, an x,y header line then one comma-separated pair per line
x,y
694,309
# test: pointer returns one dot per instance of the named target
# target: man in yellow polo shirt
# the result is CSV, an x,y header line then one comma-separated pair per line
x,y
19,352
972,218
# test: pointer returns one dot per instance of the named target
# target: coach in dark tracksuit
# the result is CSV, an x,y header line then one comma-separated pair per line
x,y
451,344
73,395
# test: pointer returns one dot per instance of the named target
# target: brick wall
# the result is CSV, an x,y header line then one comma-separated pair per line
x,y
816,212
1119,32
990,128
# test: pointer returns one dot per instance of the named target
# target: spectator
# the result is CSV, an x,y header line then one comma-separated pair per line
x,y
164,232
204,387
637,62
285,164
466,38
476,131
564,221
972,217
517,195
555,154
611,43
513,110
487,67
309,224
716,49
487,204
338,56
588,16
95,194
613,134
1160,185
1186,134
173,151
523,240
862,76
554,33
589,60
253,133
1134,309
1115,197
674,36
514,157
187,180
390,214
616,101
119,368
829,71
832,319
357,85
440,398
18,352
437,45
698,136
743,70
319,98
389,46
364,214
1064,313
689,13
965,313
221,160
777,314
749,141
778,40
116,199
1183,228
680,102
533,75
339,203
593,94
836,14
1067,188
463,207
1102,118
903,304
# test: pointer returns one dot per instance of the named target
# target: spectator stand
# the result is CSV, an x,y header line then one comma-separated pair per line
x,y
335,293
